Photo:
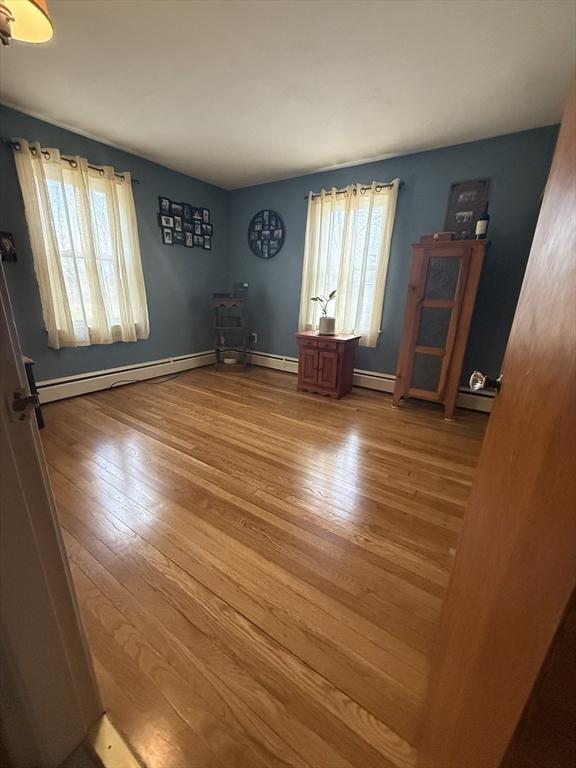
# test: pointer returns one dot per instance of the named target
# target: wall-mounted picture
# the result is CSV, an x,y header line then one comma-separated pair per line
x,y
466,203
184,224
7,247
266,234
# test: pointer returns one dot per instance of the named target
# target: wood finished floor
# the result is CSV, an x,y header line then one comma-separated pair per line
x,y
260,571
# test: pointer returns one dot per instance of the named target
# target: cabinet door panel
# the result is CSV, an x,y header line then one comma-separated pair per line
x,y
309,364
328,369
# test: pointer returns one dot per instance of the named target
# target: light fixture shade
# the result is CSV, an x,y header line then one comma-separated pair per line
x,y
31,20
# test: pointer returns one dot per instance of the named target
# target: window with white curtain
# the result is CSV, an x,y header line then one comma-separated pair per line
x,y
84,238
348,235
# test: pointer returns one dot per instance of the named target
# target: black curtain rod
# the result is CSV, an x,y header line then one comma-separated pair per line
x,y
16,145
362,189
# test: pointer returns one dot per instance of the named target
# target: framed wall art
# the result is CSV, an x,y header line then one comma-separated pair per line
x,y
466,203
266,234
184,224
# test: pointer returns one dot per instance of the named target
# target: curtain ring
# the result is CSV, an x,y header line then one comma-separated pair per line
x,y
17,146
362,190
73,163
101,171
33,151
46,154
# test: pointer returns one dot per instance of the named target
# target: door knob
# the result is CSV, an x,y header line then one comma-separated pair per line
x,y
23,404
480,382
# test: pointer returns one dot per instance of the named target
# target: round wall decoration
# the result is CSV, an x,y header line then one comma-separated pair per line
x,y
266,234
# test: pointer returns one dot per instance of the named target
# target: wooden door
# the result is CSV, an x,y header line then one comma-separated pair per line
x,y
308,365
49,697
328,369
516,560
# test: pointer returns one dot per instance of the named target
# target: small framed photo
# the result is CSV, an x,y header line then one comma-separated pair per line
x,y
265,234
199,240
187,226
265,250
205,216
164,203
207,243
198,228
189,239
165,221
8,247
178,238
178,223
207,229
277,234
167,236
197,215
176,209
186,212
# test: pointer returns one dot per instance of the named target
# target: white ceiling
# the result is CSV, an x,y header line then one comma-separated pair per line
x,y
238,92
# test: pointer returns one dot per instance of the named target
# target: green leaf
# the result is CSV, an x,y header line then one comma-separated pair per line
x,y
332,294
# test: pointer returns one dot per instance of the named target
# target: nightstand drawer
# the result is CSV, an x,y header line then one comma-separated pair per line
x,y
327,344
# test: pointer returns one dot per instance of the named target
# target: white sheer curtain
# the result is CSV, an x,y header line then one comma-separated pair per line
x,y
348,235
84,238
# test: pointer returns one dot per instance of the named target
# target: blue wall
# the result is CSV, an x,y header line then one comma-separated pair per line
x,y
179,281
517,165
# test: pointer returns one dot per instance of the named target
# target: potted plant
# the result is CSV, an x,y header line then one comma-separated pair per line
x,y
326,325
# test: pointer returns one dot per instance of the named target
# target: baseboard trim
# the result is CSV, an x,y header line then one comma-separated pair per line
x,y
382,382
70,386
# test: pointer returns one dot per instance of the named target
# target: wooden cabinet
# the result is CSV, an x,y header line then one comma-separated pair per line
x,y
326,363
441,294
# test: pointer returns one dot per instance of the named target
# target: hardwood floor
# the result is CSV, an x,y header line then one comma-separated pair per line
x,y
260,571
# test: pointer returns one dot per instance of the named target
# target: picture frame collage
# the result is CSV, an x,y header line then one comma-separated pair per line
x,y
266,234
184,224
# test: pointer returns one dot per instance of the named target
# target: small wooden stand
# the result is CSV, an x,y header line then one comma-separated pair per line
x,y
441,294
326,363
230,331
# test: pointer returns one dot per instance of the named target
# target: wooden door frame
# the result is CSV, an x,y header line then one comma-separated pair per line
x,y
50,697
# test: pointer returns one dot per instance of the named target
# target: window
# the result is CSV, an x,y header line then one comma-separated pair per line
x,y
84,240
348,235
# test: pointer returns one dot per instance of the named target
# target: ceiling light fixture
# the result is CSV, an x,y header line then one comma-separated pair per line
x,y
25,20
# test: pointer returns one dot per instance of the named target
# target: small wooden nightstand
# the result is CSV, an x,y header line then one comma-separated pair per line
x,y
326,363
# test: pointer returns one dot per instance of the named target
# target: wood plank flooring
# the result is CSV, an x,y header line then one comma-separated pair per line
x,y
260,571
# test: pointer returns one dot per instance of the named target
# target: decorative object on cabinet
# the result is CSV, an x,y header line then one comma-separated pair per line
x,y
326,366
266,234
184,224
441,293
326,325
466,203
231,338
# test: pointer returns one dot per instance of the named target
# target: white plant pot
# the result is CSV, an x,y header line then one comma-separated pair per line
x,y
327,326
